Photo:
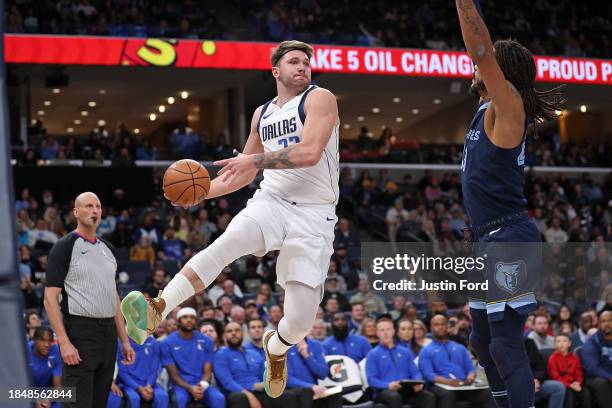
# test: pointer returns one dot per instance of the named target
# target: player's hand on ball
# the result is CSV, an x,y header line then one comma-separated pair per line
x,y
235,166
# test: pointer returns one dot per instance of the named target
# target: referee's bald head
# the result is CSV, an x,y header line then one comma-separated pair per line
x,y
88,210
80,200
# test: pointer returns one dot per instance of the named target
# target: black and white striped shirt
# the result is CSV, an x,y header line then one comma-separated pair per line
x,y
86,272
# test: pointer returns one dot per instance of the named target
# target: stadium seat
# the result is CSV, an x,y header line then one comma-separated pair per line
x,y
546,352
122,255
139,271
171,267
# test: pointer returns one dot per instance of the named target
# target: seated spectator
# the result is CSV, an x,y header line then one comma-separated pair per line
x,y
256,331
446,362
345,266
564,366
159,283
139,379
395,217
579,337
172,247
460,328
399,302
387,365
368,331
346,235
229,290
41,233
374,304
343,343
596,355
45,359
332,273
405,336
540,333
187,356
318,330
358,315
32,322
565,315
545,389
143,252
305,366
237,315
30,298
333,291
420,335
211,329
239,372
275,315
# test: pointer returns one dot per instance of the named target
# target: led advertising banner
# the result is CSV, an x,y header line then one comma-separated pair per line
x,y
71,50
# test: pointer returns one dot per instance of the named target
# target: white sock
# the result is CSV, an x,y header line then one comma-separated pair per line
x,y
276,346
178,290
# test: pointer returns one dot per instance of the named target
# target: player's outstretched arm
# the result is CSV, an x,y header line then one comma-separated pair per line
x,y
322,115
220,186
480,48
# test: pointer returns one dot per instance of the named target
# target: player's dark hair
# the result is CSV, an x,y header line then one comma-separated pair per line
x,y
285,47
518,66
41,332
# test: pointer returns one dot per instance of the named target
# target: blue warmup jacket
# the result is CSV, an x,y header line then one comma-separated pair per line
x,y
189,356
236,370
304,372
258,350
45,368
354,346
384,365
146,367
444,359
596,356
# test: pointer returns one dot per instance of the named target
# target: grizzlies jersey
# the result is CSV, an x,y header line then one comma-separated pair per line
x,y
280,127
492,178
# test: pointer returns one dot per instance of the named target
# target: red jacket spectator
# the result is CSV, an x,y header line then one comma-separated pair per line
x,y
565,368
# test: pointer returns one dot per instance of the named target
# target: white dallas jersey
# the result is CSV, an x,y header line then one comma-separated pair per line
x,y
280,128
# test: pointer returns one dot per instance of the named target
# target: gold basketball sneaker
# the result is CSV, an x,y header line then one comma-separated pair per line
x,y
142,315
275,374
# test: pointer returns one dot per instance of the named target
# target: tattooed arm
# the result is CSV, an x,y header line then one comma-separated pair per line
x,y
507,117
321,116
475,34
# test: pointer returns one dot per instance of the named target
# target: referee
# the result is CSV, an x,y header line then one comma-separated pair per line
x,y
82,303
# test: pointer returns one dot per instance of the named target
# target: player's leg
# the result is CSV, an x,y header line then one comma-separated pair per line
x,y
214,398
300,309
480,341
508,351
132,396
182,397
160,397
242,237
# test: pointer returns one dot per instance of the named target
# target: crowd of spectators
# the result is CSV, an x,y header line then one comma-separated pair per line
x,y
546,150
153,242
545,26
122,147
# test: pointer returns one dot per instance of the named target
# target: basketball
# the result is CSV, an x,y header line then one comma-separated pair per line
x,y
186,183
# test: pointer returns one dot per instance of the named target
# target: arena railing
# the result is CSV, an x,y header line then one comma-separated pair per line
x,y
355,166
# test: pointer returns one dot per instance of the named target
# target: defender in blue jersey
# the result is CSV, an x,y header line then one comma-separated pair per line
x,y
492,182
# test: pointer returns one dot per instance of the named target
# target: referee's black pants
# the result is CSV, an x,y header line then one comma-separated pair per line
x,y
96,342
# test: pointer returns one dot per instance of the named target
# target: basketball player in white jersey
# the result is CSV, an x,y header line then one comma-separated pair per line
x,y
294,138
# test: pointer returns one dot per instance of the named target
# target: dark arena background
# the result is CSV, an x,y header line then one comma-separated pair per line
x,y
103,95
